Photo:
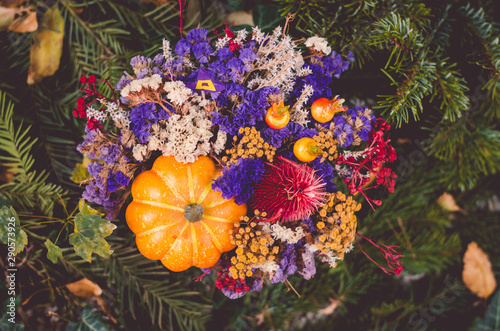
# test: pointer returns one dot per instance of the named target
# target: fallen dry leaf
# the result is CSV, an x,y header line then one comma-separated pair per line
x,y
84,288
447,202
46,55
330,309
87,289
25,24
477,274
11,3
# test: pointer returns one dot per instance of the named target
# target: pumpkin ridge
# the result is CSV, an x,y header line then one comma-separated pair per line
x,y
167,182
218,219
158,228
194,241
191,183
160,205
218,203
207,189
175,241
216,242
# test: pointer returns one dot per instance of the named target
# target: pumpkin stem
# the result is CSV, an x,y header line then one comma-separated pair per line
x,y
193,212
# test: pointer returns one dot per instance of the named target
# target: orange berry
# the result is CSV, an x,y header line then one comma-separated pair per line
x,y
306,149
278,116
323,109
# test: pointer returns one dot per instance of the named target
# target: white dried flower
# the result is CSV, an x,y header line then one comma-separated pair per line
x,y
257,35
178,93
319,44
125,91
96,113
241,36
154,82
220,142
139,151
268,266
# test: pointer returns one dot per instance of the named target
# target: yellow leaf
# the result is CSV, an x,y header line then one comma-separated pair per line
x,y
477,274
46,55
240,17
85,289
447,202
25,24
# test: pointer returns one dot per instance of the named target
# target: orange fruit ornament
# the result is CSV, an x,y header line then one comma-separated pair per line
x,y
323,109
177,216
306,149
278,116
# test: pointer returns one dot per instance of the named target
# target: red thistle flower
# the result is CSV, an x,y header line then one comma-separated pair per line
x,y
288,191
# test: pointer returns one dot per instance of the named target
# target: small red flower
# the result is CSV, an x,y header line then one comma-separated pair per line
x,y
80,101
75,113
92,79
83,79
233,46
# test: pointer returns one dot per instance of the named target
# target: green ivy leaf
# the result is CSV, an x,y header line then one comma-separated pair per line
x,y
90,231
90,322
54,252
11,232
491,321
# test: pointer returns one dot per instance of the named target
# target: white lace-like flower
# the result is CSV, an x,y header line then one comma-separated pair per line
x,y
222,42
96,113
283,233
319,44
178,93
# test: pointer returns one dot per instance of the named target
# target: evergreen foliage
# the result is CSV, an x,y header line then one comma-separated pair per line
x,y
431,68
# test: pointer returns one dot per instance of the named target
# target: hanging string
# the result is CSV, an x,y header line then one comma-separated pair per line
x,y
181,6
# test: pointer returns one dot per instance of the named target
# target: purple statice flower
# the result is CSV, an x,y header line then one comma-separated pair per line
x,y
288,264
343,130
116,181
159,58
309,269
231,294
276,136
247,55
89,140
94,168
142,73
309,222
183,47
141,118
140,61
202,51
97,193
326,172
224,54
237,68
364,131
238,180
306,133
197,36
110,153
249,111
122,82
157,71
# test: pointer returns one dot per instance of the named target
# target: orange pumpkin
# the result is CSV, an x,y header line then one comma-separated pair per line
x,y
177,216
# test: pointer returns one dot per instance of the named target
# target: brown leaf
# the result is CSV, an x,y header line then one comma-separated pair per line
x,y
11,3
447,202
46,55
477,274
84,288
25,24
